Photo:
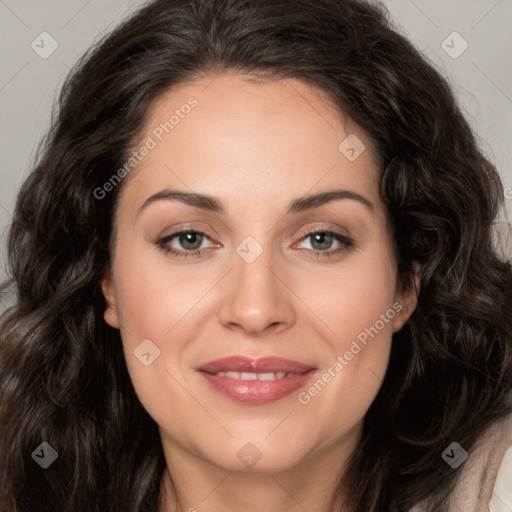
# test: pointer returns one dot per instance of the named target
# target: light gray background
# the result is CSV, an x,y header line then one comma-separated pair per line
x,y
481,76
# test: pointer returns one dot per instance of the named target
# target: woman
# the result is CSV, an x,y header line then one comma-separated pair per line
x,y
255,270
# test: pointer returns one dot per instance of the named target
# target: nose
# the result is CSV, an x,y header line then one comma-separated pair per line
x,y
256,299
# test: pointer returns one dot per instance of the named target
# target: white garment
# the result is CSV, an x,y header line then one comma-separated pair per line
x,y
485,482
501,500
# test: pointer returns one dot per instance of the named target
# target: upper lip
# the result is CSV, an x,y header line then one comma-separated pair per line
x,y
261,365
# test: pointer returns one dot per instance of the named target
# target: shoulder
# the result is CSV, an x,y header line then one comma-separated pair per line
x,y
486,478
501,500
485,482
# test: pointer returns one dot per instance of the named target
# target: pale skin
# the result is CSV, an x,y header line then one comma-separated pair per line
x,y
255,147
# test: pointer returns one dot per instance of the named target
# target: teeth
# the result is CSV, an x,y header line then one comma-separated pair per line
x,y
257,376
248,376
266,376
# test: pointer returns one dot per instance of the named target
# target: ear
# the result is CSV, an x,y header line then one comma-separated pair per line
x,y
107,286
407,298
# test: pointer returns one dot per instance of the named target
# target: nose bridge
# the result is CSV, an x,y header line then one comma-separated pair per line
x,y
256,298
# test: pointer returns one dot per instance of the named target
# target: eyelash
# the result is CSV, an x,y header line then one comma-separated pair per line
x,y
347,244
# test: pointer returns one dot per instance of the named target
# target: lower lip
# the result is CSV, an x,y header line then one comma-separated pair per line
x,y
256,392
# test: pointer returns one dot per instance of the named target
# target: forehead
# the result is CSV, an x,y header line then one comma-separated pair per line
x,y
253,139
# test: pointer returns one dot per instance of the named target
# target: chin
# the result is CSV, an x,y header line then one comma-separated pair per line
x,y
257,454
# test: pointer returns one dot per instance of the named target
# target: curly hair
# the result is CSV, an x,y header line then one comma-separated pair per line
x,y
63,375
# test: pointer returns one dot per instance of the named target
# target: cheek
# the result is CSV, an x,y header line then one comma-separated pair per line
x,y
160,301
155,304
351,299
357,307
153,295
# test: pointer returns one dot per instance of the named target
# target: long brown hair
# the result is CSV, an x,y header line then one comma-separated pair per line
x,y
63,375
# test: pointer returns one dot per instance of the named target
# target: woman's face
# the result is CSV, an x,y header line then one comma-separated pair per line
x,y
249,280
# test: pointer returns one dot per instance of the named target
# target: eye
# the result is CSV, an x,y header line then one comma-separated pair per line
x,y
322,240
190,240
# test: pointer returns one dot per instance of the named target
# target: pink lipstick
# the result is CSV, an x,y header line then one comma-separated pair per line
x,y
255,381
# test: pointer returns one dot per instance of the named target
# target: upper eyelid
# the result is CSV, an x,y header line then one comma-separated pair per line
x,y
187,229
344,231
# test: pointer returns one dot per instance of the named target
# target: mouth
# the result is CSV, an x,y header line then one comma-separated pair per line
x,y
255,381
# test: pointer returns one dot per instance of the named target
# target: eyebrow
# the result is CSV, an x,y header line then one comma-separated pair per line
x,y
211,204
